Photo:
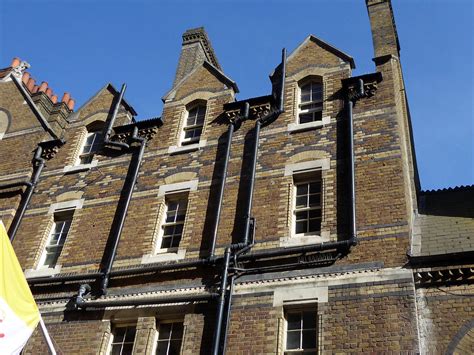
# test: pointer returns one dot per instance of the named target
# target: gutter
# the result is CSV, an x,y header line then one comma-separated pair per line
x,y
29,100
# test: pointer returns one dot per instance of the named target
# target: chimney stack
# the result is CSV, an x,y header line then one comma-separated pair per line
x,y
43,87
25,77
70,104
30,84
384,31
195,50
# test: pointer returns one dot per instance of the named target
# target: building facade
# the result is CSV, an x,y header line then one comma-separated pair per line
x,y
282,224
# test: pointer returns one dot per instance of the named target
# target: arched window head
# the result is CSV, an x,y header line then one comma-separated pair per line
x,y
194,123
311,101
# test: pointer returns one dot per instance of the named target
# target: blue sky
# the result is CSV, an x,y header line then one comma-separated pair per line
x,y
78,46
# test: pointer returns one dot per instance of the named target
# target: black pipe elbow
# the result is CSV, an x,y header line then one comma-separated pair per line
x,y
84,289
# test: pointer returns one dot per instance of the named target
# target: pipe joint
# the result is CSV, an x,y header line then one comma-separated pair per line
x,y
84,289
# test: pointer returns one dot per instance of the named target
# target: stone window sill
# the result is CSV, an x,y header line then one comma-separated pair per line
x,y
299,127
163,255
187,148
41,272
300,240
81,167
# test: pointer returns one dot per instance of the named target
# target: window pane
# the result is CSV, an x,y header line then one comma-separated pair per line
x,y
169,230
317,92
162,348
86,159
309,320
175,242
51,259
292,340
178,230
130,334
314,200
294,321
116,349
314,225
306,117
166,243
315,187
177,331
315,213
127,349
301,201
301,216
301,189
309,339
119,334
175,347
164,331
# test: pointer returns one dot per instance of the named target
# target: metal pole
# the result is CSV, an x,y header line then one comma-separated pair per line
x,y
220,307
230,132
47,337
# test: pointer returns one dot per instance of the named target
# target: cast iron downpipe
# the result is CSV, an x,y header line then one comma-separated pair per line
x,y
123,210
245,245
243,116
221,303
360,92
38,165
110,125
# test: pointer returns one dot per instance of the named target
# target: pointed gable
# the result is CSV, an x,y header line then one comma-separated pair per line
x,y
317,52
204,77
99,106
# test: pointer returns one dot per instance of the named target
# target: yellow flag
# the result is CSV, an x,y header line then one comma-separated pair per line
x,y
19,314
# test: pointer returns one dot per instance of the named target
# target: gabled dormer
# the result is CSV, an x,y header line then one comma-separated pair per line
x,y
191,104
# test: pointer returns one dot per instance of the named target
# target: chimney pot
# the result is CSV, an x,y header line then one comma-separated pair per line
x,y
43,86
49,92
71,103
30,84
66,97
35,89
15,62
25,77
54,98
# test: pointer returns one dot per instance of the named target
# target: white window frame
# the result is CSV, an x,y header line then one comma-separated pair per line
x,y
296,126
183,195
318,166
42,259
300,309
313,102
112,336
167,321
316,177
96,142
194,140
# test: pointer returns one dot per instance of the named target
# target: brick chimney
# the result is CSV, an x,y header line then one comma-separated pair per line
x,y
384,31
196,48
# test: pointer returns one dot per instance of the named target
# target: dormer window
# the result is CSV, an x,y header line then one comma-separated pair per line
x,y
194,123
311,102
90,147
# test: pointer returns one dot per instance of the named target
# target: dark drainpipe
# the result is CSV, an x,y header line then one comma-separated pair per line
x,y
351,99
245,245
230,132
38,165
123,209
221,302
110,125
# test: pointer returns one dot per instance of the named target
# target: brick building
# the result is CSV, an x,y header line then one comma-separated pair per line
x,y
279,224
